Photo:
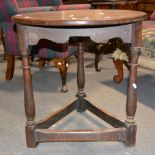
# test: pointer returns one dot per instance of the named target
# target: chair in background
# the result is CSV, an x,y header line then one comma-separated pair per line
x,y
8,8
120,55
147,49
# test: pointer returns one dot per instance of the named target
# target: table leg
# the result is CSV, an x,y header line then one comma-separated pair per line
x,y
131,104
28,89
29,103
81,105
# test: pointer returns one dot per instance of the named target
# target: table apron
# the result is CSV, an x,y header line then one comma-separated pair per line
x,y
62,35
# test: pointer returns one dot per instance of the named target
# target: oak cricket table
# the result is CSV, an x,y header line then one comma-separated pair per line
x,y
59,26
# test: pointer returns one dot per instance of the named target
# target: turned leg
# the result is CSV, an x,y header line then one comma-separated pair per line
x,y
28,89
80,80
131,103
62,65
97,59
29,102
119,67
10,67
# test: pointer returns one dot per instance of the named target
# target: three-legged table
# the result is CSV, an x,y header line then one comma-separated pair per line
x,y
59,26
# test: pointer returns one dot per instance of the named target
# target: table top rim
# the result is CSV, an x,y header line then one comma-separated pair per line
x,y
56,19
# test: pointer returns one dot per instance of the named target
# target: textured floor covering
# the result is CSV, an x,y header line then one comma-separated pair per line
x,y
100,89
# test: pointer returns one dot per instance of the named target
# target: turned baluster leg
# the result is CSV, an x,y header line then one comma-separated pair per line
x,y
80,80
28,90
29,102
131,103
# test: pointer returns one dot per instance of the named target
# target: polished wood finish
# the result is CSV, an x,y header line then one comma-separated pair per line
x,y
76,18
89,17
62,64
130,30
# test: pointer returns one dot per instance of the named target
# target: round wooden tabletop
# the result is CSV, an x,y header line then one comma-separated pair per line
x,y
78,18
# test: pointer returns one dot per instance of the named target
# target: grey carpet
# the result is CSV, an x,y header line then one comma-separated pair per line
x,y
100,90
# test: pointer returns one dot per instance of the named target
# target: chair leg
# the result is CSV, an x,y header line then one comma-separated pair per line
x,y
2,39
62,65
97,59
42,63
119,66
96,62
10,67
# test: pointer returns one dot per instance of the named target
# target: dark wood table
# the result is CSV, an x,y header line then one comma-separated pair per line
x,y
99,25
127,4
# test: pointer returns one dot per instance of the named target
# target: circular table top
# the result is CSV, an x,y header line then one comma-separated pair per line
x,y
79,18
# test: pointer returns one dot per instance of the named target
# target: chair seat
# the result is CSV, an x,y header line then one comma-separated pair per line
x,y
49,49
49,53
